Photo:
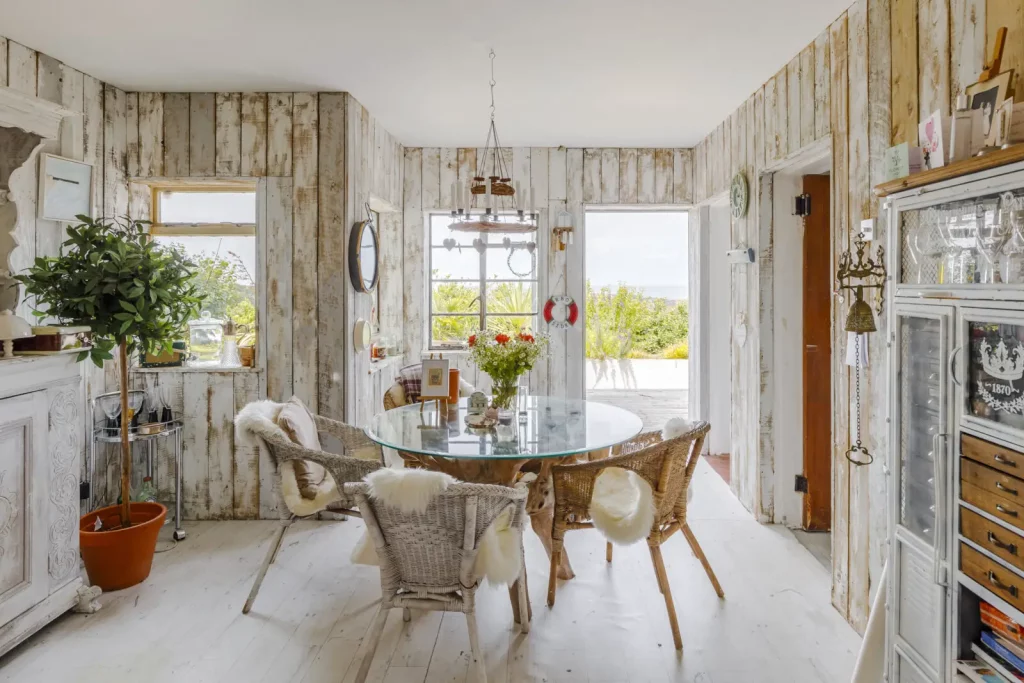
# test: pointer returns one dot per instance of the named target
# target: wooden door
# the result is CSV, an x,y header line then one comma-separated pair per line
x,y
817,357
23,495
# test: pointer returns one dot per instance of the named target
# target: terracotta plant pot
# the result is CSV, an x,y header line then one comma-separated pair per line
x,y
120,558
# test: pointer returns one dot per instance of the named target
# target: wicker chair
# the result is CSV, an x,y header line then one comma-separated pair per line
x,y
668,467
427,559
342,468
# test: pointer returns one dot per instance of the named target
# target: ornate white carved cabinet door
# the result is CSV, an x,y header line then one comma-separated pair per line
x,y
23,502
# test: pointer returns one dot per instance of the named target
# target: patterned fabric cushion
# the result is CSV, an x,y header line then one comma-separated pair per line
x,y
411,379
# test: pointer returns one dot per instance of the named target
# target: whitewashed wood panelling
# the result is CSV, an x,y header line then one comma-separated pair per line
x,y
319,157
562,180
866,81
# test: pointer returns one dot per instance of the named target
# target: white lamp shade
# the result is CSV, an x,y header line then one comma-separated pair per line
x,y
13,327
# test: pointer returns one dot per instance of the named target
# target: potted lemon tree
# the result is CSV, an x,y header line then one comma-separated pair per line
x,y
135,295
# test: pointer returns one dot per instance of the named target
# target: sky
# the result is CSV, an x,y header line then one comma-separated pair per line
x,y
644,249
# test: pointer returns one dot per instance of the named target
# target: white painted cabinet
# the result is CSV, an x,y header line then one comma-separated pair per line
x,y
956,409
42,436
23,487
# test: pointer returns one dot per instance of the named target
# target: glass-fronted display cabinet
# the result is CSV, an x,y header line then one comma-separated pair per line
x,y
956,371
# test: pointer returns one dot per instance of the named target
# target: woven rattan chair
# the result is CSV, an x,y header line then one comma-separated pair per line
x,y
668,467
427,559
342,468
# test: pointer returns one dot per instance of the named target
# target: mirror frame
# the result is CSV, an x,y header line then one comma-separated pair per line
x,y
355,262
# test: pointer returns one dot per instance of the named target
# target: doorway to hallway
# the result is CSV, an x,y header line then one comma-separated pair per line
x,y
637,311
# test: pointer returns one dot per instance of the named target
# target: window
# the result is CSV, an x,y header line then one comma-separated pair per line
x,y
215,226
471,288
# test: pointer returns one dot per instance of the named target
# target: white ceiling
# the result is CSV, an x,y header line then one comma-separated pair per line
x,y
570,72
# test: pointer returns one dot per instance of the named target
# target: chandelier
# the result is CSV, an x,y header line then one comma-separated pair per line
x,y
489,202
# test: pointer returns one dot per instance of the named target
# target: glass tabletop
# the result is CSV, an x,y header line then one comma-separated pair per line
x,y
551,427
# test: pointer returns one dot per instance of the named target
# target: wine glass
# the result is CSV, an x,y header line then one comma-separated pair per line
x,y
992,232
155,403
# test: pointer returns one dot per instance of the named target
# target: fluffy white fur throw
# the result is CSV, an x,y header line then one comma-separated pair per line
x,y
498,559
622,507
259,420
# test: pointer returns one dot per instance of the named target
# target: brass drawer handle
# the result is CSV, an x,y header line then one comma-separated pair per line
x,y
1010,513
1008,547
1007,489
1012,590
1003,460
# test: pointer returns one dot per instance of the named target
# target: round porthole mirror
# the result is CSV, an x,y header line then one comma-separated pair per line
x,y
364,256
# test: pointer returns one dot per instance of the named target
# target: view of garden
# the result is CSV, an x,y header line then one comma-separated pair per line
x,y
625,323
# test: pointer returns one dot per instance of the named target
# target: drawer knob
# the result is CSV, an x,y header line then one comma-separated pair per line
x,y
1003,460
1005,511
994,580
1006,489
1008,547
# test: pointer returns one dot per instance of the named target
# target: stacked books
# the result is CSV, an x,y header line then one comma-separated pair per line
x,y
1001,650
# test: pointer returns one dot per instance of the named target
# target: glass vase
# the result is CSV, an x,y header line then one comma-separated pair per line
x,y
504,392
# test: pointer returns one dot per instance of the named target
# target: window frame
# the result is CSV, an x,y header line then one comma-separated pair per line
x,y
537,282
226,229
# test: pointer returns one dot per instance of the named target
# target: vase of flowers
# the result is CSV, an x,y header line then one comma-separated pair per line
x,y
505,358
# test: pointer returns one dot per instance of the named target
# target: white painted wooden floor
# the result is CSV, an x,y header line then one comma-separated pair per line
x,y
185,623
654,406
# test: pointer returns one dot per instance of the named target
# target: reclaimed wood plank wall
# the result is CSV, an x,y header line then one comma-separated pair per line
x,y
864,84
317,159
562,180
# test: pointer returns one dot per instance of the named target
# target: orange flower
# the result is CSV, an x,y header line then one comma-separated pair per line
x,y
502,339
526,338
472,340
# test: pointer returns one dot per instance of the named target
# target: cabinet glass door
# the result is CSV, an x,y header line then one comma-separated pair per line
x,y
922,416
993,373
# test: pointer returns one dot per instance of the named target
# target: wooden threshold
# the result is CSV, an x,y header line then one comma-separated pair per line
x,y
999,157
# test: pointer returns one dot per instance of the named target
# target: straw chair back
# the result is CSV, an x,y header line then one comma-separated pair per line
x,y
431,554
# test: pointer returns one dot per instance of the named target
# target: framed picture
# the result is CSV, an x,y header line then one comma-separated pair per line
x,y
988,97
65,188
932,132
435,379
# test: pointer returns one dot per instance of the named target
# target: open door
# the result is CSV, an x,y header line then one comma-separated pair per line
x,y
817,356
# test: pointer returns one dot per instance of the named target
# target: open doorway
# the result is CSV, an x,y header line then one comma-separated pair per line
x,y
803,355
637,311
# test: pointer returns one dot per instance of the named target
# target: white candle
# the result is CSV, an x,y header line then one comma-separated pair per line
x,y
487,203
455,194
532,199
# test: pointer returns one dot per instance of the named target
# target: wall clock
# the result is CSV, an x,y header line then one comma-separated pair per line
x,y
739,195
364,256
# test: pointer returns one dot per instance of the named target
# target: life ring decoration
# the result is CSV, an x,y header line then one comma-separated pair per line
x,y
569,307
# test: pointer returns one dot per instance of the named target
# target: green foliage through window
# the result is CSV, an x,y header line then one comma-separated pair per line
x,y
623,323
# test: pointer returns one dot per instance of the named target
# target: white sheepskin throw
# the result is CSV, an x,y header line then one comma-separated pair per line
x,y
499,558
676,427
258,420
623,506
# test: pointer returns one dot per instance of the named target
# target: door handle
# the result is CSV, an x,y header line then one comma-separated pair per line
x,y
952,365
1005,511
1006,489
1003,460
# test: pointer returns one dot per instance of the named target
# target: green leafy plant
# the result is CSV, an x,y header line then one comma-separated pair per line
x,y
505,357
133,293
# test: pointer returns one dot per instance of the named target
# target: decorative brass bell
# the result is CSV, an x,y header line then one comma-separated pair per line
x,y
860,319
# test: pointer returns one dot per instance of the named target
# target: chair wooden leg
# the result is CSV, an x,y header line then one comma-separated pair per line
x,y
661,588
275,546
659,569
556,560
692,540
608,551
374,639
474,646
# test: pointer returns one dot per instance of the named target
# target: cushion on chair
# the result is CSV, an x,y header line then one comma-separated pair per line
x,y
622,507
297,422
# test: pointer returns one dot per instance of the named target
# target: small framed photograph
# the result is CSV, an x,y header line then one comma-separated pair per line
x,y
933,135
65,188
988,97
435,379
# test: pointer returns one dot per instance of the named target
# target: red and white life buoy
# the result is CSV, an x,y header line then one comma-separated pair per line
x,y
572,312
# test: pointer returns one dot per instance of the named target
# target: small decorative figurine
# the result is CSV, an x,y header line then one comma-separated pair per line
x,y
477,403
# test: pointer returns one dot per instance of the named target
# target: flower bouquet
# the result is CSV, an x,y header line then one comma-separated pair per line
x,y
505,357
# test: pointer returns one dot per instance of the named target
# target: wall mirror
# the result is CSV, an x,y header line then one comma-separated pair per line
x,y
364,256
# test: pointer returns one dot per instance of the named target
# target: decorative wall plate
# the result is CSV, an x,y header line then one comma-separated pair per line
x,y
739,195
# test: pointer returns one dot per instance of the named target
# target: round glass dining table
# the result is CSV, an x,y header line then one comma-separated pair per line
x,y
541,427
543,431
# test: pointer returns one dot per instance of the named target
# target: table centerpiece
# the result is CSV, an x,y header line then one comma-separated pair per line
x,y
505,358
